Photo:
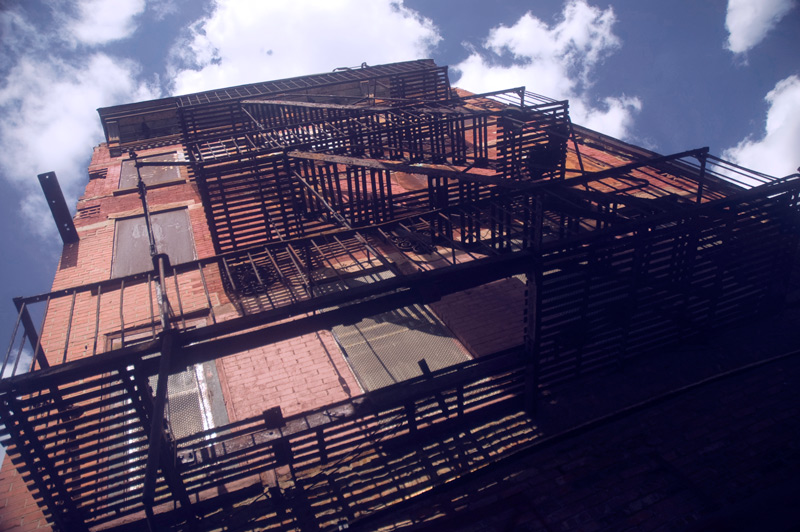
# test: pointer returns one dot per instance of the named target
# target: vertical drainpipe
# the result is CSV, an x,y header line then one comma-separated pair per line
x,y
156,457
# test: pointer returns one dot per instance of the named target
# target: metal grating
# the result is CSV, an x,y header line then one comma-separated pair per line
x,y
619,260
421,78
386,348
190,400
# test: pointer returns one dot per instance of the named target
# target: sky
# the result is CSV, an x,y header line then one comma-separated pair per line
x,y
669,76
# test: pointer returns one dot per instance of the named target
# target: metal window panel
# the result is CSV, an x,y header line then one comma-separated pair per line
x,y
194,396
173,236
386,348
194,400
151,175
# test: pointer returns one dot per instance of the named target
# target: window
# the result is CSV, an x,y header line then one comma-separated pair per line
x,y
151,175
194,400
194,396
386,348
147,125
173,236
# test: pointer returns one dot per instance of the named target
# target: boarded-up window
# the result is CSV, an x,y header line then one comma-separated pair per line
x,y
151,175
173,236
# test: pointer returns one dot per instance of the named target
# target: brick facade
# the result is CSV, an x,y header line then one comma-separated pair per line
x,y
18,510
304,265
297,374
488,318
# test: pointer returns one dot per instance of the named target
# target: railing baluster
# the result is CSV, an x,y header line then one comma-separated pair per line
x,y
294,257
205,290
97,319
411,417
284,281
39,338
327,260
255,270
69,326
344,248
230,277
150,297
260,281
11,342
19,355
121,316
178,295
165,309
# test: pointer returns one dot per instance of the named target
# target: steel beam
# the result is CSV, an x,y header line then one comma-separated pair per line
x,y
58,207
434,170
511,264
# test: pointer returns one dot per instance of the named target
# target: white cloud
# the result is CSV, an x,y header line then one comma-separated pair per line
x,y
777,152
17,32
49,122
557,61
749,21
614,116
104,21
245,41
49,93
163,8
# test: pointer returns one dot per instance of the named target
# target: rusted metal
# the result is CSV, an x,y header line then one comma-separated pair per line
x,y
58,207
157,455
431,196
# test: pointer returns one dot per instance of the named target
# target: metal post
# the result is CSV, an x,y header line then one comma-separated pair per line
x,y
11,343
701,179
30,332
533,319
143,196
161,293
155,451
138,389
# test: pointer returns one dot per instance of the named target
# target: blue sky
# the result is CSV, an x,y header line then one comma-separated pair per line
x,y
666,75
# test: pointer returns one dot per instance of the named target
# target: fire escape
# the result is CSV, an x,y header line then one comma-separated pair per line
x,y
312,185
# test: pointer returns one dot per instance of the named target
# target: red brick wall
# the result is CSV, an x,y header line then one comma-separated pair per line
x,y
89,262
98,209
18,511
298,374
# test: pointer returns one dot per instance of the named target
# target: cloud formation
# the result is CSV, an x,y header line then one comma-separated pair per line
x,y
163,8
557,61
50,121
749,21
246,41
101,21
777,152
48,100
54,76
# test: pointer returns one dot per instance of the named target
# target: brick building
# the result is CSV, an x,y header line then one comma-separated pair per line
x,y
304,303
